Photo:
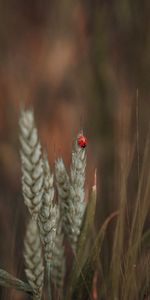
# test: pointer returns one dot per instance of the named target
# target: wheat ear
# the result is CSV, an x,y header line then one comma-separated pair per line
x,y
71,193
77,206
32,165
33,259
58,262
63,188
47,219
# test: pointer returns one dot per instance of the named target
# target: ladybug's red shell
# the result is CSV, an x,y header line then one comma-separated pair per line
x,y
82,141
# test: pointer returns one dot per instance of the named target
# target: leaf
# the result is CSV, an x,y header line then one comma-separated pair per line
x,y
95,252
9,281
81,289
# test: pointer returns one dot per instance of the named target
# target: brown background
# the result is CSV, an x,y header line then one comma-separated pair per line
x,y
79,64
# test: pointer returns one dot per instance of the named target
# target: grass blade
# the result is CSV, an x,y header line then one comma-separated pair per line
x,y
9,281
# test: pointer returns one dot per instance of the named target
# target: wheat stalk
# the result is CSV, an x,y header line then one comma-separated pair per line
x,y
32,165
33,259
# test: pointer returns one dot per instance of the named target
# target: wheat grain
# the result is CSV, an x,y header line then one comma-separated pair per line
x,y
32,166
33,259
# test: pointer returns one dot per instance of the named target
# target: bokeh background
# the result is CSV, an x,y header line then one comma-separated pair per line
x,y
79,64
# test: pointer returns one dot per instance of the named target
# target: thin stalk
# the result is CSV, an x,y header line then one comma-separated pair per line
x,y
49,282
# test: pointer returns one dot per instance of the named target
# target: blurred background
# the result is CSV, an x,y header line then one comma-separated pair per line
x,y
79,64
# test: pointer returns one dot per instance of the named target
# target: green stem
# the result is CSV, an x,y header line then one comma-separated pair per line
x,y
49,283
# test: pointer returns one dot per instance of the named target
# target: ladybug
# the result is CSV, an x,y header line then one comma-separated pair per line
x,y
82,141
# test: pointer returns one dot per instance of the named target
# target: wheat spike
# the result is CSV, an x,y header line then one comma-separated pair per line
x,y
47,219
71,193
33,259
77,206
32,165
58,262
63,188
